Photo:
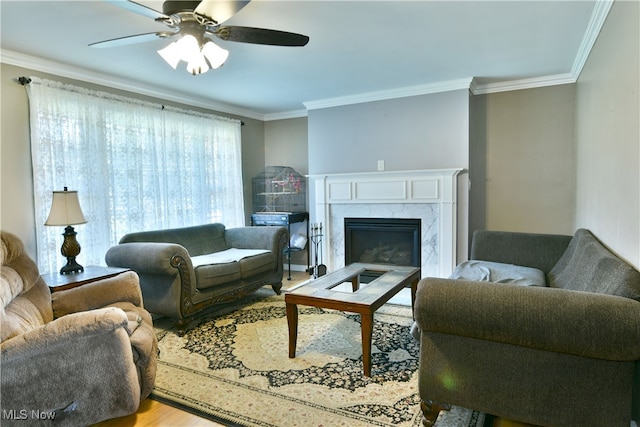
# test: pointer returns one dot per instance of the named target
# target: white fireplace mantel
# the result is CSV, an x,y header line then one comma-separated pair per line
x,y
407,189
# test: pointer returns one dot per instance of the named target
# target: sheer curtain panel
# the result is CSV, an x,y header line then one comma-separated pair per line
x,y
136,166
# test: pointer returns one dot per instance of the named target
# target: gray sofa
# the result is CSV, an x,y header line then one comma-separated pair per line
x,y
563,352
183,271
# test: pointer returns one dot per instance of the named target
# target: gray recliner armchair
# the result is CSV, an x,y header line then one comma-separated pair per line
x,y
78,356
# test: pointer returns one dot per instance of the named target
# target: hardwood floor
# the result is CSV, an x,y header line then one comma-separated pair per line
x,y
157,414
492,421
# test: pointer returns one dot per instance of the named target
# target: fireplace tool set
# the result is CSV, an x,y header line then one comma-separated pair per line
x,y
318,269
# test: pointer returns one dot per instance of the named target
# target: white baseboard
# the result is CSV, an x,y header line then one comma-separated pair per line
x,y
295,267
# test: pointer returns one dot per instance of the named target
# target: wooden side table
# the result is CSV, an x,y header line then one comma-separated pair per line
x,y
91,273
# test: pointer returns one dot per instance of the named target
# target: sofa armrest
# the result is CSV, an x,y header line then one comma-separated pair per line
x,y
148,257
541,251
580,323
124,287
274,239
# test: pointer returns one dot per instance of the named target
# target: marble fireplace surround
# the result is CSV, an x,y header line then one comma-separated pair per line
x,y
429,195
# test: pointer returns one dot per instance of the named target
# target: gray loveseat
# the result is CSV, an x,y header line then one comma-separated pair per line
x,y
563,352
186,270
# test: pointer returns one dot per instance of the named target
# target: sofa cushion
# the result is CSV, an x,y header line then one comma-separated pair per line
x,y
212,275
588,266
232,264
488,271
226,256
258,264
226,266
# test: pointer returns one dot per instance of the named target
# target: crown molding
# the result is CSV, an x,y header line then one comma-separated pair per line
x,y
59,69
558,79
293,114
597,20
382,95
598,17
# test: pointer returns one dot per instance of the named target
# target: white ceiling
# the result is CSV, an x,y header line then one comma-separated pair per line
x,y
358,50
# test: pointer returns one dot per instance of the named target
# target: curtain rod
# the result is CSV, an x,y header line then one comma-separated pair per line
x,y
26,80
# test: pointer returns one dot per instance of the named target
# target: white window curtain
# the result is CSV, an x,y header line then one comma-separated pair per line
x,y
136,166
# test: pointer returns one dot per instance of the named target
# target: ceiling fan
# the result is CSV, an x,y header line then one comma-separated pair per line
x,y
198,23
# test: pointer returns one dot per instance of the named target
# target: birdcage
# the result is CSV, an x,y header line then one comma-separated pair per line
x,y
279,189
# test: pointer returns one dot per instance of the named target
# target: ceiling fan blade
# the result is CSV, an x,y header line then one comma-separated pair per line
x,y
138,38
259,36
138,8
220,10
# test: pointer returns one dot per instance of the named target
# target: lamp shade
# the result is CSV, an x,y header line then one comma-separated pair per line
x,y
189,48
214,54
65,209
197,65
171,54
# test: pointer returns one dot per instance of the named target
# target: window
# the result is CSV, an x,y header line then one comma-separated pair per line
x,y
136,166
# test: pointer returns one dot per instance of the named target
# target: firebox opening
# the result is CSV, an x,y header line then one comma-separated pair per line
x,y
391,241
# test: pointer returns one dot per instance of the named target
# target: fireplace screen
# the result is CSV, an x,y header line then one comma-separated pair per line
x,y
382,241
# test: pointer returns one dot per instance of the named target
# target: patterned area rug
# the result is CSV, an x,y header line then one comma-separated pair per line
x,y
233,367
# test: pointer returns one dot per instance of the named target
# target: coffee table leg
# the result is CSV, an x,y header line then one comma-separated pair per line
x,y
355,283
292,321
367,333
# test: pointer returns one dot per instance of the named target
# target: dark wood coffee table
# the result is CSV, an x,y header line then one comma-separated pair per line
x,y
365,300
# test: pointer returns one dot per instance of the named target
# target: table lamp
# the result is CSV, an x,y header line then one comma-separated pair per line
x,y
65,210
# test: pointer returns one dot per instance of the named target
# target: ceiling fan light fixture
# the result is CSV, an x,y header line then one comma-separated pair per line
x,y
189,48
197,65
195,22
216,56
171,54
199,59
186,49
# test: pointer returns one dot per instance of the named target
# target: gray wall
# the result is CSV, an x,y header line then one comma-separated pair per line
x,y
286,144
608,135
526,138
477,164
253,159
16,181
418,132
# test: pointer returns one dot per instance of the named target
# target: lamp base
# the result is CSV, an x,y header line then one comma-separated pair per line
x,y
70,248
71,267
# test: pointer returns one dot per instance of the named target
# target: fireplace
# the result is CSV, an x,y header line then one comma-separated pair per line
x,y
392,241
427,195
